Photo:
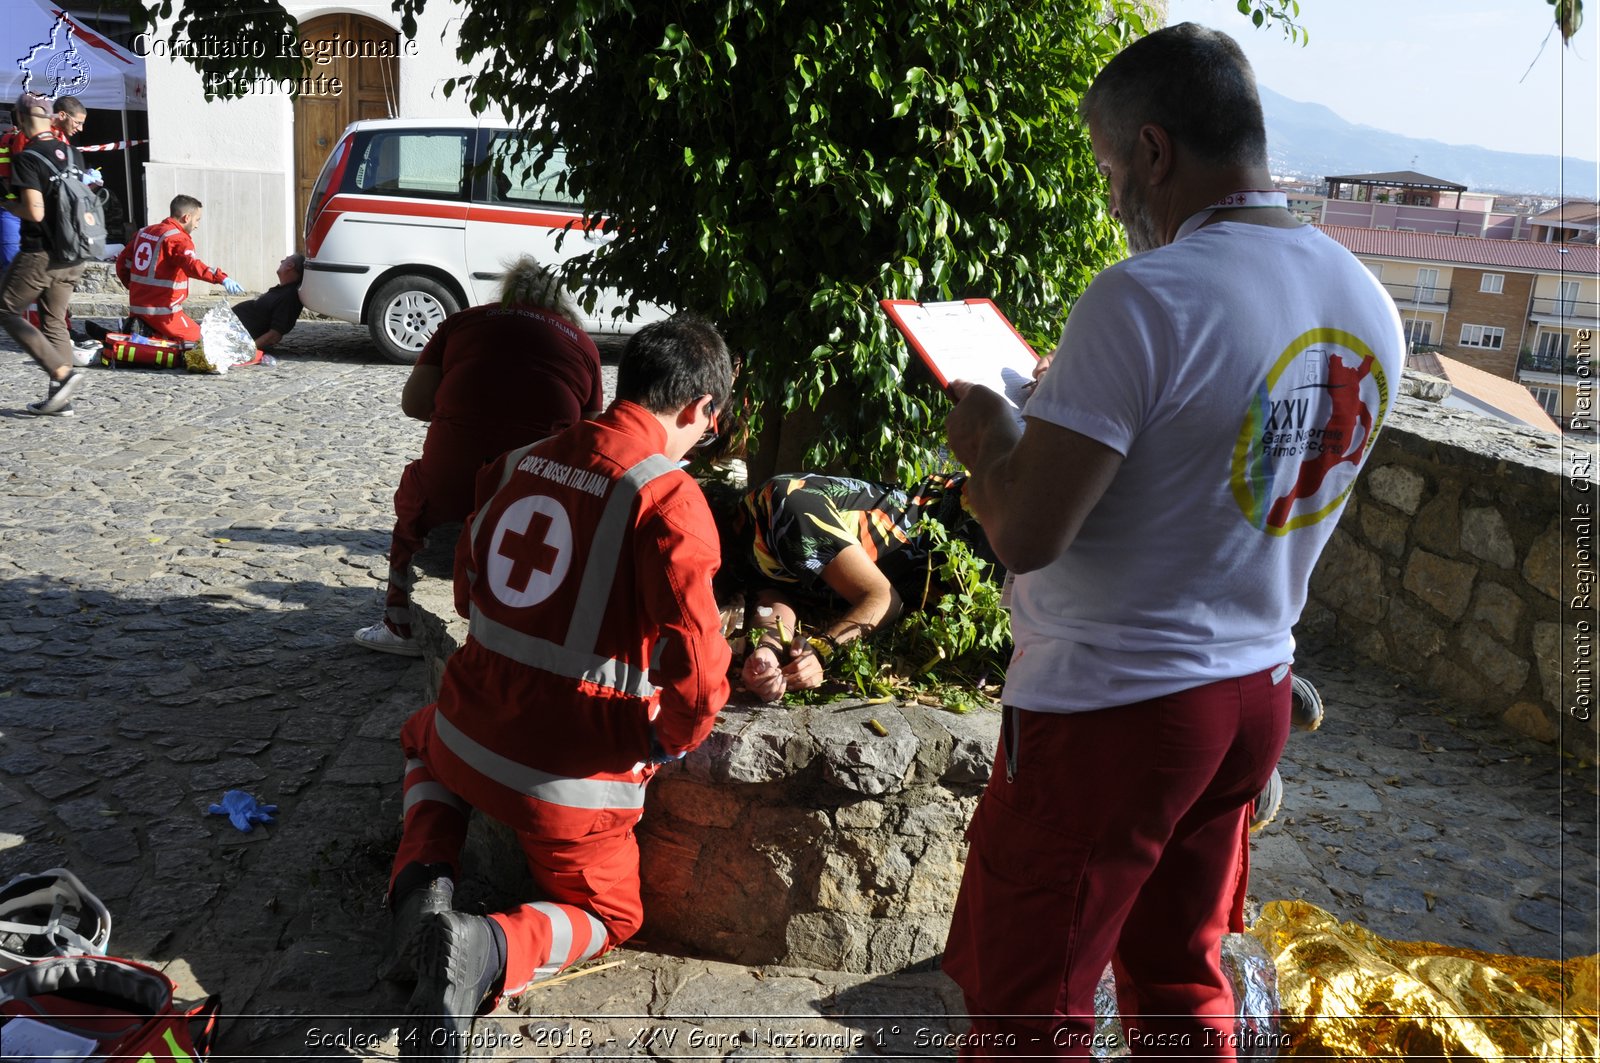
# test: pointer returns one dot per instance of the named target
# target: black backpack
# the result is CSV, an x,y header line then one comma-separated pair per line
x,y
74,224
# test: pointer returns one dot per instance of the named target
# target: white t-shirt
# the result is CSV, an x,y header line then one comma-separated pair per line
x,y
1242,373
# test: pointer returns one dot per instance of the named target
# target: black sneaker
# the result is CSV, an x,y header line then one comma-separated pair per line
x,y
65,411
460,967
96,330
1305,704
1265,808
59,397
413,910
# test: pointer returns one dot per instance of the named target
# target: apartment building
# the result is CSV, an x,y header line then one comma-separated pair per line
x,y
1513,308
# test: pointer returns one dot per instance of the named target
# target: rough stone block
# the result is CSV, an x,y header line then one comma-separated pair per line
x,y
696,803
1500,608
1526,717
1443,584
1416,636
1385,530
1504,670
1484,534
1397,486
860,815
825,939
1542,568
1349,579
855,758
1438,524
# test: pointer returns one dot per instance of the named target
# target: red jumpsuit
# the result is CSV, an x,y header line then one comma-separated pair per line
x,y
585,575
156,269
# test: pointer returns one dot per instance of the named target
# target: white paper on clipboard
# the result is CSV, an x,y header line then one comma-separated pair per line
x,y
969,341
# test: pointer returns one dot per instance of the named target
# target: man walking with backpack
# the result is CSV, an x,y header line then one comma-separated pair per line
x,y
60,231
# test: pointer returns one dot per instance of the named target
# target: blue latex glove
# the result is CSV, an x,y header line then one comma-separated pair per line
x,y
93,177
242,810
232,287
658,755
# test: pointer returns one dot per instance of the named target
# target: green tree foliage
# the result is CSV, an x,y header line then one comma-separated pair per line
x,y
782,166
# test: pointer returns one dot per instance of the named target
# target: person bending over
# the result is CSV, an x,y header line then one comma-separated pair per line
x,y
491,378
820,540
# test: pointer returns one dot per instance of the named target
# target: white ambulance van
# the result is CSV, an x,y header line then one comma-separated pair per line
x,y
404,228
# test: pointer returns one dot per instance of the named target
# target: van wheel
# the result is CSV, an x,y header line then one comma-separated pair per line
x,y
405,313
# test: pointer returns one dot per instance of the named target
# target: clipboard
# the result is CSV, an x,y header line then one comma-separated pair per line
x,y
968,340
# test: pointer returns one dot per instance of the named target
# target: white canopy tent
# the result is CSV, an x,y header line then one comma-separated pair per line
x,y
56,54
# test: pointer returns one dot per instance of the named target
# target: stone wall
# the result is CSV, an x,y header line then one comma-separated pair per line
x,y
1457,562
794,836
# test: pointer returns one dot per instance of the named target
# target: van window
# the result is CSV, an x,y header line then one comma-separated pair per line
x,y
413,162
518,181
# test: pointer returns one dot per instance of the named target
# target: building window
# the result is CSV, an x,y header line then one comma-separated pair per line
x,y
1552,348
1493,283
1549,398
1418,332
1482,336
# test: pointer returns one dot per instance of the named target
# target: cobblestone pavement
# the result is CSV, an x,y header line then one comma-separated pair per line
x,y
185,561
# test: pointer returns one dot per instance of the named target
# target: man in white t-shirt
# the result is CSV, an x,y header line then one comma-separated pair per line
x,y
1183,464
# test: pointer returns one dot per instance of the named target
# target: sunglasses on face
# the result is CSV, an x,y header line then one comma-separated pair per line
x,y
710,435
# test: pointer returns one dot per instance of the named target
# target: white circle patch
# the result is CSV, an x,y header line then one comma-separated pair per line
x,y
530,552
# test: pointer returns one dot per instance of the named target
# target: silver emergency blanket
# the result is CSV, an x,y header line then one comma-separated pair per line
x,y
224,342
1254,978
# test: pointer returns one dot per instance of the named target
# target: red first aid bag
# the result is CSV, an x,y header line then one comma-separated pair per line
x,y
120,348
124,1008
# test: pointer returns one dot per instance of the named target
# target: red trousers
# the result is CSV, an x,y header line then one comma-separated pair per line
x,y
587,886
1114,836
174,326
431,493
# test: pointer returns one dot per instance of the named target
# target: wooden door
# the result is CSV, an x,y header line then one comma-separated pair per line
x,y
370,88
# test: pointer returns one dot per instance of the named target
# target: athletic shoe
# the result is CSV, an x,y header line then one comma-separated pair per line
x,y
1267,803
461,966
59,397
1306,704
65,411
414,909
86,353
379,637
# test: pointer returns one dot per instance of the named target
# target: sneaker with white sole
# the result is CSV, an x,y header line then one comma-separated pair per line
x,y
379,637
1305,704
1265,807
59,397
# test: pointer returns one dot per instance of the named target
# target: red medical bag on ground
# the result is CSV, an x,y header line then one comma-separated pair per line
x,y
125,1008
120,348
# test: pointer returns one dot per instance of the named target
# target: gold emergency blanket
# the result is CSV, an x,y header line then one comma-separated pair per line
x,y
1349,994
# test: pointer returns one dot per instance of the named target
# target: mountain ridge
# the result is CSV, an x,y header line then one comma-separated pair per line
x,y
1311,141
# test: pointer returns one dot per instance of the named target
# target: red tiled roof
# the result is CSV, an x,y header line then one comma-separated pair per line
x,y
1467,251
1512,399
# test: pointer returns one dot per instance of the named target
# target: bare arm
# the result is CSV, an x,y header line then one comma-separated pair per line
x,y
416,398
1033,489
273,337
29,205
873,602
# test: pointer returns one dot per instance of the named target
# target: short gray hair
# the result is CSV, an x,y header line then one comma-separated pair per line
x,y
527,283
1193,82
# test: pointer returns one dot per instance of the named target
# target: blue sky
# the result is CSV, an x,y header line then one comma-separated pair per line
x,y
1449,70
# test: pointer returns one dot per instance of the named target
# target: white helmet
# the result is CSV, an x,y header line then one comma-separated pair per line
x,y
50,914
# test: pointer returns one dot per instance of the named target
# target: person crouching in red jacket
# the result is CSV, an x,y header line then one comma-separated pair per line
x,y
156,268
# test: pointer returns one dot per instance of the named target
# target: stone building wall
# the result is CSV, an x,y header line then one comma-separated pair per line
x,y
1458,561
